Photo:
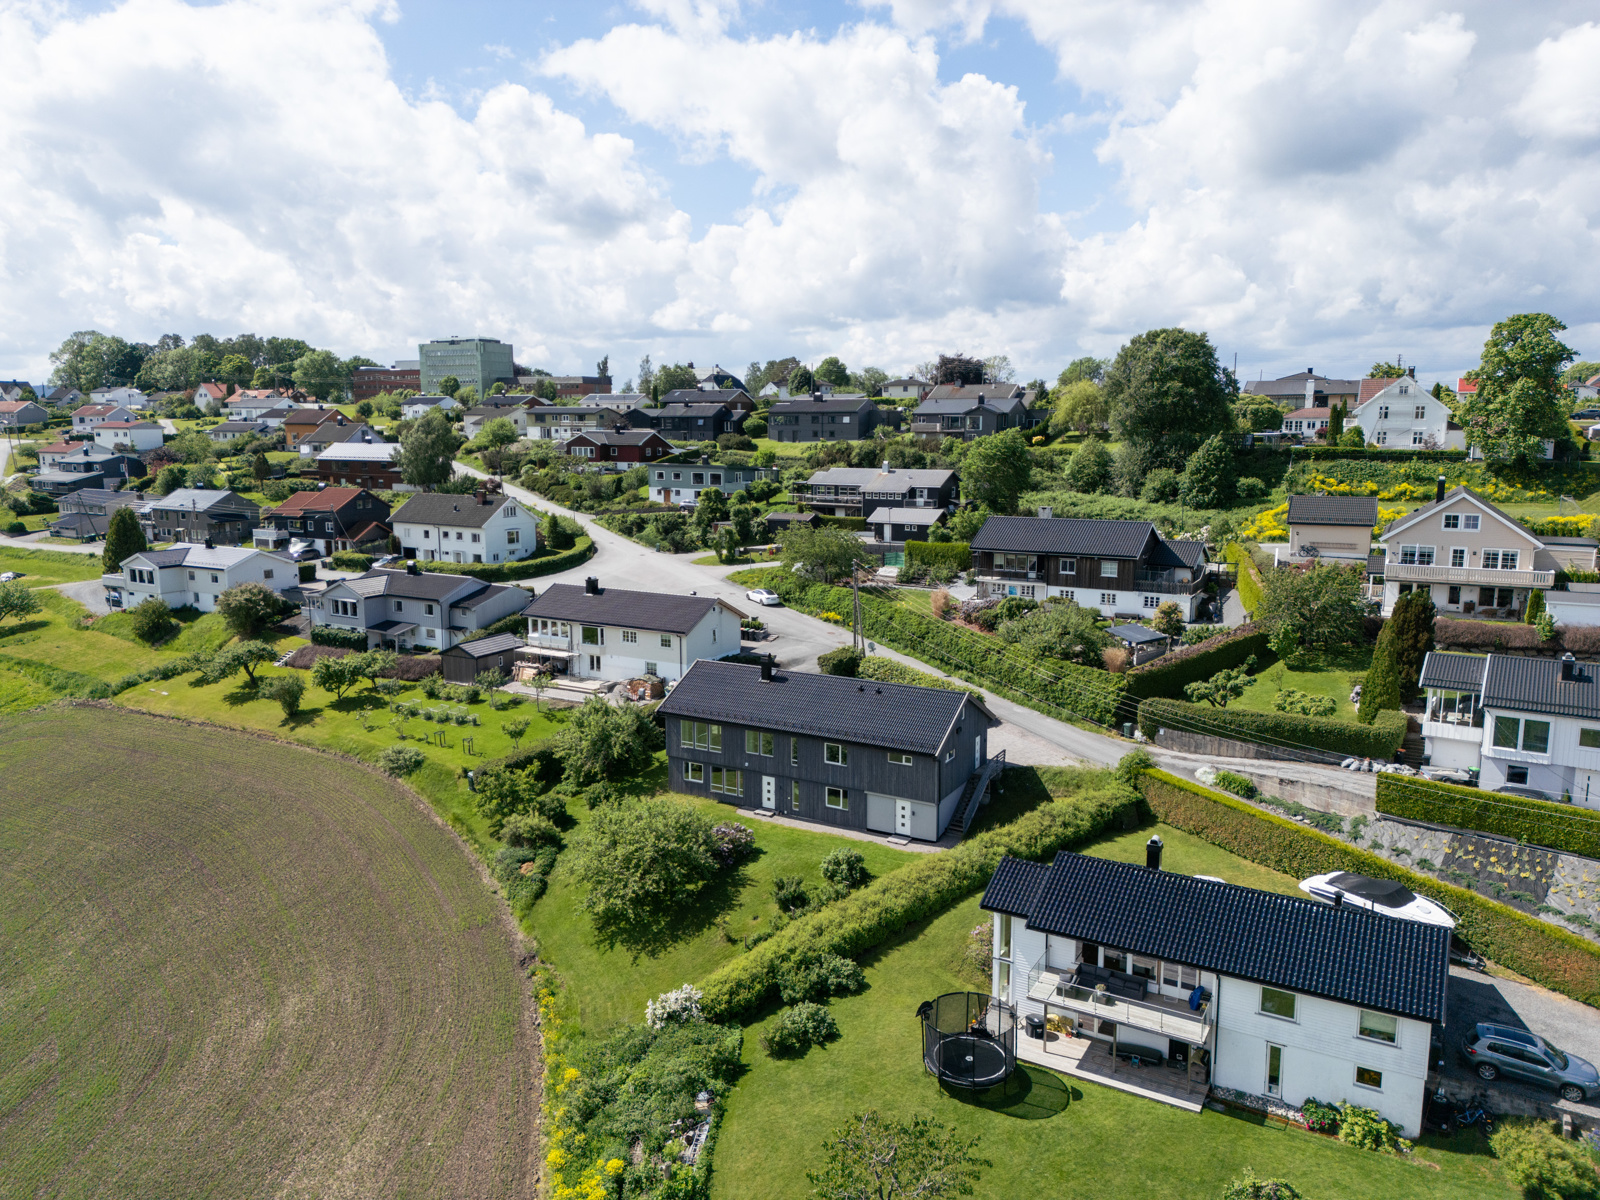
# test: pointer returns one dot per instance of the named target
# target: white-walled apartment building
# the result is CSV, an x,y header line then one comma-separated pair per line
x,y
480,528
192,575
1267,994
611,634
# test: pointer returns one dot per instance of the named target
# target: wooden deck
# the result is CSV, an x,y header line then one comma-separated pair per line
x,y
1091,1060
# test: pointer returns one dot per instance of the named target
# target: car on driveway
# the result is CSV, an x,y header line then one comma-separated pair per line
x,y
1496,1050
10,575
764,596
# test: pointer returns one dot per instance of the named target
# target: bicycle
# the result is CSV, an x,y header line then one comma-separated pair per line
x,y
1474,1113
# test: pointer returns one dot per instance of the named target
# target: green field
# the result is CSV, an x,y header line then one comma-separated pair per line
x,y
1052,1135
235,967
1333,676
45,567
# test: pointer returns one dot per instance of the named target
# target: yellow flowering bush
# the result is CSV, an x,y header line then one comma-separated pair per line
x,y
1268,526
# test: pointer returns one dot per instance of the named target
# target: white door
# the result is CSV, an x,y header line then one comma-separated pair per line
x,y
902,817
769,792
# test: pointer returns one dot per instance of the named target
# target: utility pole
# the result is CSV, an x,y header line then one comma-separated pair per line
x,y
855,587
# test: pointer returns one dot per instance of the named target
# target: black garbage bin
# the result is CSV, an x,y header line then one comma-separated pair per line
x,y
1035,1024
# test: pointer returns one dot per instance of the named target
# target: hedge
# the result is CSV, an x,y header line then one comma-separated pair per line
x,y
345,639
1287,730
351,560
1559,960
955,555
1557,826
886,670
1452,634
523,568
1322,453
1248,581
868,917
1055,688
1167,675
853,524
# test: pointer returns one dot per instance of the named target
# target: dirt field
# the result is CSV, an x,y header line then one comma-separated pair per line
x,y
231,967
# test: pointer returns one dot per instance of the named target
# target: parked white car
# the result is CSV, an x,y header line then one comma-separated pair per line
x,y
1383,896
764,596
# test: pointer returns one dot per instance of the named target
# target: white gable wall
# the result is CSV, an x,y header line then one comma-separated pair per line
x,y
1405,416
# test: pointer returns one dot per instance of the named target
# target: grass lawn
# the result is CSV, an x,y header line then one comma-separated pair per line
x,y
45,567
1334,677
1052,1135
609,985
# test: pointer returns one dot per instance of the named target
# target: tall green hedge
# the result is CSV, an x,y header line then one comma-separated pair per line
x,y
1324,453
955,555
1057,688
1248,581
1556,826
347,639
523,568
1287,730
1167,675
883,908
1560,960
887,670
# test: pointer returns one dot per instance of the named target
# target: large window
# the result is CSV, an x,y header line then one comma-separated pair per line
x,y
1535,735
904,760
1002,948
756,742
835,754
1418,556
593,635
1108,568
1505,732
1500,560
1589,739
1277,1004
701,736
630,636
1378,1026
727,782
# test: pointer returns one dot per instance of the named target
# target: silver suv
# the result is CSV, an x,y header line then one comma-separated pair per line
x,y
1495,1050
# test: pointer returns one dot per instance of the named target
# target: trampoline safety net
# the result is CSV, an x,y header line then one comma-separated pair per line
x,y
969,1039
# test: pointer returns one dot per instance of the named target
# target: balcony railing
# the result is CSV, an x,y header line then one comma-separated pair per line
x,y
1165,582
1005,573
1415,573
1060,989
550,641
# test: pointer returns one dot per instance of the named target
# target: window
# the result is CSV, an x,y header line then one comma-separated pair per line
x,y
650,669
794,795
1420,556
1536,737
191,576
1458,556
756,742
555,628
794,752
1176,975
1108,598
513,537
1420,413
904,760
1505,732
1416,437
1143,968
1069,566
1405,389
1379,1026
1368,1078
430,634
1589,738
1152,601
1108,568
837,798
427,609
1453,594
1002,946
1277,1004
1452,520
427,533
701,735
1517,775
1383,437
727,782
694,772
1470,521
835,754
1274,1070
1500,560
593,635
630,635
1383,412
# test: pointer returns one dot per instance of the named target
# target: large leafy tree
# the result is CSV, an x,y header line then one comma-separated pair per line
x,y
1168,394
605,741
958,368
826,553
249,609
871,1157
90,359
832,371
1089,468
320,374
1065,631
1080,405
1316,608
16,600
1083,370
1209,479
242,656
1386,370
641,861
124,538
676,376
997,470
428,449
1520,401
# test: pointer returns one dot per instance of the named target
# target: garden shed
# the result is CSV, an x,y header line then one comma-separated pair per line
x,y
465,662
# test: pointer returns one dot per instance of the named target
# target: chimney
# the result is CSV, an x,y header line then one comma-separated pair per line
x,y
766,669
1046,512
591,585
1311,370
1411,371
412,568
209,546
1438,491
1152,853
1569,668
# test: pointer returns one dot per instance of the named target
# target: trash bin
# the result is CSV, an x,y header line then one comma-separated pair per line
x,y
1035,1024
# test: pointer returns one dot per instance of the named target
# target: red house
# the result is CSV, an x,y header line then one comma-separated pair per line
x,y
618,449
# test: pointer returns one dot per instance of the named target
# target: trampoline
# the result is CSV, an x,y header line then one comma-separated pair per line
x,y
969,1039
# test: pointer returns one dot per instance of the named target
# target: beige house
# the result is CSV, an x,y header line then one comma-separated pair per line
x,y
1472,557
1337,528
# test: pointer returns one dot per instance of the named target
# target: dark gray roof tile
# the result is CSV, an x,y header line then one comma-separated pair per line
x,y
665,612
500,643
1441,669
1065,535
1333,510
442,508
1535,685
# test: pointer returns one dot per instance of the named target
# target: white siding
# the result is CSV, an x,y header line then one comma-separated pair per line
x,y
715,636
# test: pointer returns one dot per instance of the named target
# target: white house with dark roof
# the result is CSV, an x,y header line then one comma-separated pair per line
x,y
193,575
414,609
857,491
612,634
418,406
682,483
483,527
1270,995
1403,414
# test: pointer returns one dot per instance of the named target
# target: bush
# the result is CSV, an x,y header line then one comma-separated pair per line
x,y
1364,1129
287,690
845,661
1320,1117
151,620
1160,486
604,741
845,868
349,560
819,977
530,829
401,760
251,608
953,556
789,891
678,1007
799,1028
1239,785
734,842
344,639
1288,731
543,563
1290,700
1249,1187
1248,580
1541,1163
1557,959
1172,672
643,860
1564,827
501,793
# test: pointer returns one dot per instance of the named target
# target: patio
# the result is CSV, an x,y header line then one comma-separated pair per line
x,y
1090,1059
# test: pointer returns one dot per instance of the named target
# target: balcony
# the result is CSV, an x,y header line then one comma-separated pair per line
x,y
1475,576
1003,573
550,641
1165,582
1171,1018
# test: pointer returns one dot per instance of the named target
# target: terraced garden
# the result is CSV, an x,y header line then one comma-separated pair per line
x,y
237,967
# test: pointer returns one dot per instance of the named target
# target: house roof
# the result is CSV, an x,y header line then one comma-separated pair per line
x,y
1309,414
1450,497
907,516
617,437
16,405
493,411
327,499
823,404
59,448
66,476
500,643
704,396
1333,510
687,410
443,508
1461,672
976,391
200,499
1138,635
1071,536
193,554
874,479
897,716
581,410
361,451
312,416
1535,685
128,425
951,405
82,522
1348,954
424,585
1295,385
809,518
97,410
224,427
664,612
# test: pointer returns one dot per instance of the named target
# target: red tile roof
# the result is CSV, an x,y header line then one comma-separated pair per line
x,y
328,498
1370,388
1466,387
1307,414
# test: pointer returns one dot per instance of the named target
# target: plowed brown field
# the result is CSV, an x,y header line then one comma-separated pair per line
x,y
234,967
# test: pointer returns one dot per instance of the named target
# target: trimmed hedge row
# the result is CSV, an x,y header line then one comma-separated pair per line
x,y
1058,688
866,918
955,555
1288,730
1452,634
1559,960
1557,826
1167,675
524,568
345,639
1316,453
1246,579
886,670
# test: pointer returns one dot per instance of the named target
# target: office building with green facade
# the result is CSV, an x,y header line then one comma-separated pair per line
x,y
477,362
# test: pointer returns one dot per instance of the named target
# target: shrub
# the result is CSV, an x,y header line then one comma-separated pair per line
x,y
1559,960
401,760
350,560
251,608
845,868
1564,827
1536,1159
734,842
1290,700
1249,1187
606,741
799,1028
1286,730
1364,1129
789,891
952,556
1172,672
642,860
845,661
345,639
1249,579
1320,1117
1239,785
531,829
678,1007
500,793
819,976
151,620
287,690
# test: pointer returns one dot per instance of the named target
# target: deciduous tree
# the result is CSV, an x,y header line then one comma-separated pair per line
x,y
1210,478
997,470
871,1157
321,374
1080,405
1089,468
1168,394
1316,608
825,553
1520,401
251,608
428,449
337,675
605,741
1168,619
1223,686
958,369
17,600
832,371
641,860
242,656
